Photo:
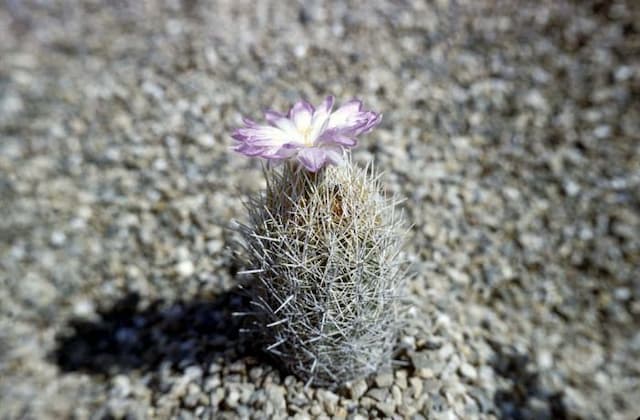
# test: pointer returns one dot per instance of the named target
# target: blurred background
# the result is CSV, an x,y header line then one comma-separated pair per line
x,y
511,127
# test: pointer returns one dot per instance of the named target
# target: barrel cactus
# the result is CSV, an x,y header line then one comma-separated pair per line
x,y
323,248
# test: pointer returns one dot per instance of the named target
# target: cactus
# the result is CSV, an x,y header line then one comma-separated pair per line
x,y
324,252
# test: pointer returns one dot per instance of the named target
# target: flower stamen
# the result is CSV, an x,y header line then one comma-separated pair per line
x,y
306,138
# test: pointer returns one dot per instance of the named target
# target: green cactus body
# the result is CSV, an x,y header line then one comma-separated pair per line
x,y
325,251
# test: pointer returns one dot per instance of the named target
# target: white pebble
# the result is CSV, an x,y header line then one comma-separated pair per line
x,y
185,268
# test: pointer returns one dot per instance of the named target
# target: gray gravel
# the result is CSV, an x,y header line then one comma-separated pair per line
x,y
511,127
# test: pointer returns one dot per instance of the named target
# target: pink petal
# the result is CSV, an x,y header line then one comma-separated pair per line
x,y
370,120
248,122
327,104
320,119
301,114
278,120
263,135
346,117
249,150
285,152
335,155
344,140
272,116
312,158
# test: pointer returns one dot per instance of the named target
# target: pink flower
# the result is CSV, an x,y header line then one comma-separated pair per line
x,y
313,136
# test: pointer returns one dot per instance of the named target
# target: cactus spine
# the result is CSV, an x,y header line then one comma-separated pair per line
x,y
324,250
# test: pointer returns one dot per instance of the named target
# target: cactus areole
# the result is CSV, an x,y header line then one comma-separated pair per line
x,y
322,245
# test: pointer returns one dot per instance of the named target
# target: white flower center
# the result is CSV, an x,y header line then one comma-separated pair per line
x,y
305,133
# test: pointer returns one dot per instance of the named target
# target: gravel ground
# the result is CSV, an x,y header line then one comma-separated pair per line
x,y
511,127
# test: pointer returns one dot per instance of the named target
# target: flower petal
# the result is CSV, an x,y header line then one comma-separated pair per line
x,y
272,116
285,152
262,135
249,150
301,114
279,120
347,116
337,138
312,158
350,120
335,155
370,120
320,119
248,122
326,105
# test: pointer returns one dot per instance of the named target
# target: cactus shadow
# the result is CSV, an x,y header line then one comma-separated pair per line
x,y
126,337
525,397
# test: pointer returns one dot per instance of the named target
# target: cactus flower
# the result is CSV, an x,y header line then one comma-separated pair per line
x,y
313,136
